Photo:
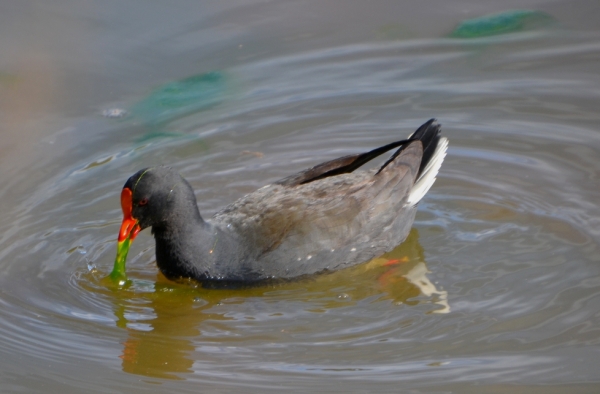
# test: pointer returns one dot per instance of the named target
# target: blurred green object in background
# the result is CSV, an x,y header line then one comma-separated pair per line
x,y
502,23
180,98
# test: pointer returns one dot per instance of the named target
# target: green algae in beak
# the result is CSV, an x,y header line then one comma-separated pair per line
x,y
129,230
118,272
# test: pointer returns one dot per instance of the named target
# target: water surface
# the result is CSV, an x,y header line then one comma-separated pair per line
x,y
497,288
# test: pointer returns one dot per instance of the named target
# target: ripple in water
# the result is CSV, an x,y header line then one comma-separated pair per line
x,y
497,281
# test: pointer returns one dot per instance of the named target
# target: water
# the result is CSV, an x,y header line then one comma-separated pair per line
x,y
497,289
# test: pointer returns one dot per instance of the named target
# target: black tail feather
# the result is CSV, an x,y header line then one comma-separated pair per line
x,y
429,135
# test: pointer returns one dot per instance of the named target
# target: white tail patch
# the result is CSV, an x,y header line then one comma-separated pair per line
x,y
427,178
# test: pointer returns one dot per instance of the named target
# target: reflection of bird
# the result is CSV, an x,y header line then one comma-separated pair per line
x,y
324,218
158,343
402,273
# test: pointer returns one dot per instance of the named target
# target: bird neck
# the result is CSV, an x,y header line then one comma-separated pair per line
x,y
184,249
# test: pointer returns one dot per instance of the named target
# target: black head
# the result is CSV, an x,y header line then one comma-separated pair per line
x,y
156,197
159,195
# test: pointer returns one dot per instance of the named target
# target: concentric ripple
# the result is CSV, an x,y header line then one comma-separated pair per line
x,y
498,281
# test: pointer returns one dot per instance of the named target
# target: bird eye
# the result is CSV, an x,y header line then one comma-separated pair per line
x,y
143,202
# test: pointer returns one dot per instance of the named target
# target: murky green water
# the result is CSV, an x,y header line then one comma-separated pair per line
x,y
496,290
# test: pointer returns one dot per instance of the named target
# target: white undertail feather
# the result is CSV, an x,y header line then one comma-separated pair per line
x,y
427,177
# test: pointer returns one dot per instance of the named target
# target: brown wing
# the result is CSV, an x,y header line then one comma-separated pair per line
x,y
428,134
342,165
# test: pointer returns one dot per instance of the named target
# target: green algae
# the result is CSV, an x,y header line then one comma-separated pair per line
x,y
502,23
118,273
180,98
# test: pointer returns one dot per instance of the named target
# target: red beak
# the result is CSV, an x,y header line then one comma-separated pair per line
x,y
130,227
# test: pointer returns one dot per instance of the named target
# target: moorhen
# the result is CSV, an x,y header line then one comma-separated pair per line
x,y
322,219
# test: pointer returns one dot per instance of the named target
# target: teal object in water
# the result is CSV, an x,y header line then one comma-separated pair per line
x,y
501,23
180,98
152,135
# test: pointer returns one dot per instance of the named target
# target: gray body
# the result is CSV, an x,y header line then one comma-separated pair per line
x,y
281,232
